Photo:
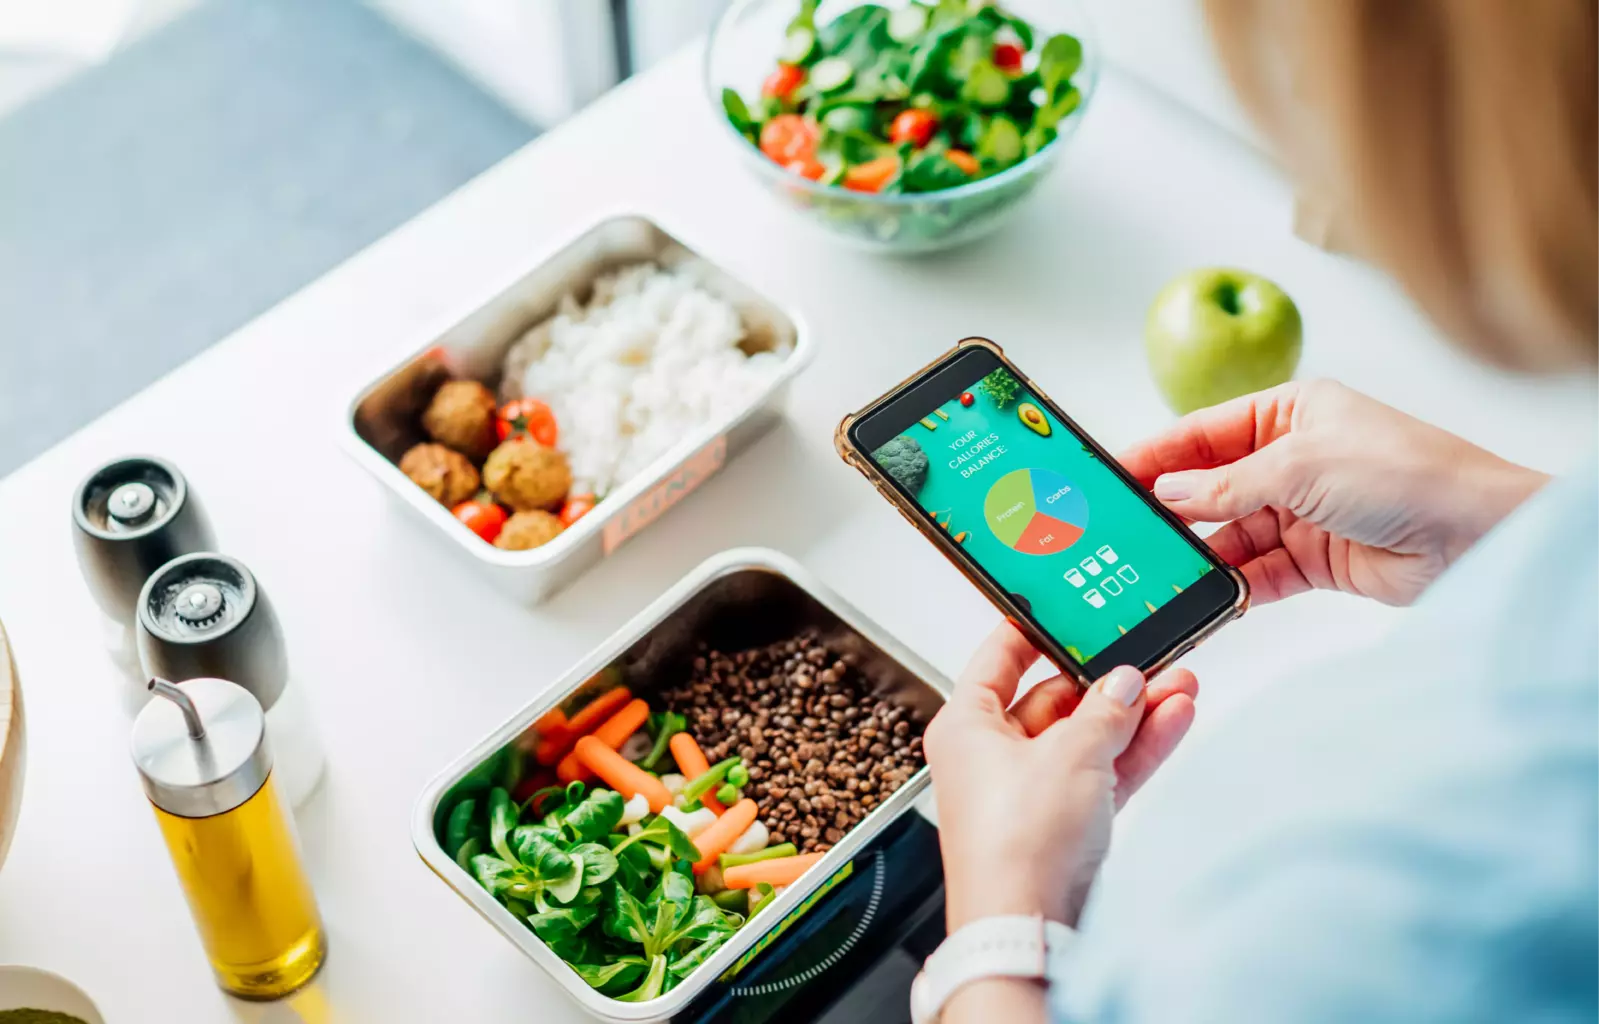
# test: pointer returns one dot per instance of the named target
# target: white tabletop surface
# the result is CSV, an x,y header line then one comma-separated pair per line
x,y
408,658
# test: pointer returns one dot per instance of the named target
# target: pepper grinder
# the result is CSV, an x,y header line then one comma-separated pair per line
x,y
203,756
205,615
132,516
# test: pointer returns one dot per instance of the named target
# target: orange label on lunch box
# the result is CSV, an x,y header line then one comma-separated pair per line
x,y
650,505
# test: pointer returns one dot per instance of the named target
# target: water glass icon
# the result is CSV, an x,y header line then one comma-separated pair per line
x,y
1128,573
1091,565
1108,553
1110,586
1074,577
1094,598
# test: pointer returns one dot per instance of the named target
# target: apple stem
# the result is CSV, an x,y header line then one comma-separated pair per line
x,y
1227,298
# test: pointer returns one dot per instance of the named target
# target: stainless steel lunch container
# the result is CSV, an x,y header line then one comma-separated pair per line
x,y
382,422
734,600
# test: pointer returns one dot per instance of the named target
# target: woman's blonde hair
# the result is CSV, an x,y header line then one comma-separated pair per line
x,y
1459,137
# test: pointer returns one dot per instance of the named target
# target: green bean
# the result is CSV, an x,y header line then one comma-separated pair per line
x,y
710,780
733,860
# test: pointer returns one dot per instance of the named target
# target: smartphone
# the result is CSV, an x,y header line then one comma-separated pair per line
x,y
1085,561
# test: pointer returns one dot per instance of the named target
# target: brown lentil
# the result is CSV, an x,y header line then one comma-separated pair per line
x,y
821,749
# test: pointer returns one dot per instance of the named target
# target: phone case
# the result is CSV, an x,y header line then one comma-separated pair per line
x,y
1045,644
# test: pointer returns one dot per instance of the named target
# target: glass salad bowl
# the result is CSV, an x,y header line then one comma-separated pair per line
x,y
753,36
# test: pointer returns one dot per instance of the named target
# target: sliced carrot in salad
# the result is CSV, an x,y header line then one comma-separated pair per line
x,y
778,871
613,733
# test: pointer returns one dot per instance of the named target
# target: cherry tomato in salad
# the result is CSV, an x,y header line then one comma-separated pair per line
x,y
788,137
577,506
807,168
783,81
962,159
483,518
527,416
872,175
967,399
913,125
1008,58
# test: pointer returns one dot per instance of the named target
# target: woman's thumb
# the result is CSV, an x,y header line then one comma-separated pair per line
x,y
1232,491
1107,717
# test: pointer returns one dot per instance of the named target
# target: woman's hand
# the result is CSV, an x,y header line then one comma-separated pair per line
x,y
1324,488
1026,795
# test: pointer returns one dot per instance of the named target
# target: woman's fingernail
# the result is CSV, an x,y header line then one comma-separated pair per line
x,y
1123,685
1174,486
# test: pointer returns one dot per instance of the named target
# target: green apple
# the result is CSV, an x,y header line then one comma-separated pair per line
x,y
1218,333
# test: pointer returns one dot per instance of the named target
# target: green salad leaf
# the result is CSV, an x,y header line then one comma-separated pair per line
x,y
661,833
652,986
502,818
614,976
595,816
620,909
599,863
562,923
458,829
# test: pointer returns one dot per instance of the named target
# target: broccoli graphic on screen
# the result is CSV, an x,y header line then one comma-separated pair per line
x,y
904,460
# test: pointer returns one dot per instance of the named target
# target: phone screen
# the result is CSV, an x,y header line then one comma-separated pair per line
x,y
1039,511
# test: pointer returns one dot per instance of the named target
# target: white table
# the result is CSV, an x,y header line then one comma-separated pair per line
x,y
408,658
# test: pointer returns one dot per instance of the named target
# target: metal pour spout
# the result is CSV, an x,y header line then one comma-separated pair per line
x,y
191,715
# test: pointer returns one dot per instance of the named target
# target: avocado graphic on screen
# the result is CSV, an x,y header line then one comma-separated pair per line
x,y
1030,414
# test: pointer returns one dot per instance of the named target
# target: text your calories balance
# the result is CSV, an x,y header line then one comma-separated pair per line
x,y
979,452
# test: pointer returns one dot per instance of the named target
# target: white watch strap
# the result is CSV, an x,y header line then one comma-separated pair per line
x,y
990,947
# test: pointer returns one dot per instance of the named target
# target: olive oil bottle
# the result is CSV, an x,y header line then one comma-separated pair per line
x,y
202,755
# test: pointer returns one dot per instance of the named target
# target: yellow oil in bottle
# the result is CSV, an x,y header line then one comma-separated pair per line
x,y
249,895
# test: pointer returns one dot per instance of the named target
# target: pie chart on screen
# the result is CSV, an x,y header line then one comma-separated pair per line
x,y
1036,511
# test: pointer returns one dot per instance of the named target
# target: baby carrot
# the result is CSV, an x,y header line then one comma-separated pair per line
x,y
556,746
692,763
598,710
552,728
623,775
714,841
613,734
782,871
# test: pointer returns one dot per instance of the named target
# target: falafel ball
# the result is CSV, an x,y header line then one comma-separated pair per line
x,y
528,530
443,472
526,475
461,415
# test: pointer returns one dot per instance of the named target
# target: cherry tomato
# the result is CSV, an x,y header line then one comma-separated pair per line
x,y
788,137
483,518
913,125
872,175
541,779
1008,58
577,506
962,159
807,168
967,399
527,416
783,81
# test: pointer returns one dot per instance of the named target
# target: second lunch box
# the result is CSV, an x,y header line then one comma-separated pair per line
x,y
744,600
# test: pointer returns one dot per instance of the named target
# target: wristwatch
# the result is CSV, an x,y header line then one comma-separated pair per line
x,y
1013,946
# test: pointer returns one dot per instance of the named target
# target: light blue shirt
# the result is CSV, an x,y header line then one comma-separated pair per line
x,y
1411,836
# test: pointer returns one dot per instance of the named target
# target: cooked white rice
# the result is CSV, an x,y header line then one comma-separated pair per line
x,y
652,357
